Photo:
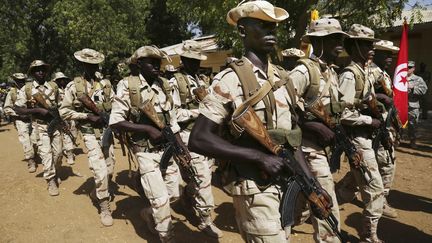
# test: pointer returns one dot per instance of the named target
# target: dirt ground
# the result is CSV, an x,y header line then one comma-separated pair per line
x,y
29,214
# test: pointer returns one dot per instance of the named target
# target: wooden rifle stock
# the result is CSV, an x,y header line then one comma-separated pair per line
x,y
41,100
148,109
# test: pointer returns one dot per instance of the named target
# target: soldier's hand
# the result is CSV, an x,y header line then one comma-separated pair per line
x,y
94,119
375,123
271,164
156,136
41,111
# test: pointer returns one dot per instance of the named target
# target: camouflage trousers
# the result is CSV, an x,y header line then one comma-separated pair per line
x,y
373,193
100,166
68,145
49,150
318,163
413,118
158,189
257,212
24,129
201,195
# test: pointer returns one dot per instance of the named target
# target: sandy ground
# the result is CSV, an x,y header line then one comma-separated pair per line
x,y
29,214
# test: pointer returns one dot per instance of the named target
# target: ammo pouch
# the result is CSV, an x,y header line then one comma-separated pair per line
x,y
282,136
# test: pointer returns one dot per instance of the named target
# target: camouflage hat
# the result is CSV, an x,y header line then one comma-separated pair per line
x,y
148,51
361,32
293,52
91,56
19,76
256,9
386,45
411,64
59,75
170,68
38,63
192,49
324,27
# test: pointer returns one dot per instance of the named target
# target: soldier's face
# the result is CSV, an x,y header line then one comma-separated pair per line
x,y
411,70
259,36
333,45
90,69
383,59
191,65
39,73
149,67
366,49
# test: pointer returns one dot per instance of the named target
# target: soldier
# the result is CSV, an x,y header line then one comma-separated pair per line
x,y
316,83
132,93
22,122
356,87
68,144
91,125
416,88
49,145
256,198
170,70
384,51
186,105
290,58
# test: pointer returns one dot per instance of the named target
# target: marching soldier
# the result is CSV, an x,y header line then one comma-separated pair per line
x,y
416,88
91,125
317,84
132,93
50,142
356,87
68,144
186,103
22,123
256,197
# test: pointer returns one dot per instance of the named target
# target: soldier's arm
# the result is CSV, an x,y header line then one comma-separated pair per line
x,y
300,78
67,110
21,106
183,115
420,88
8,106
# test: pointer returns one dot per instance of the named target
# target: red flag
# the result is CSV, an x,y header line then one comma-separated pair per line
x,y
400,82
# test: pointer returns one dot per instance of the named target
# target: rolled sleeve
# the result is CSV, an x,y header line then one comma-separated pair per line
x,y
300,77
347,87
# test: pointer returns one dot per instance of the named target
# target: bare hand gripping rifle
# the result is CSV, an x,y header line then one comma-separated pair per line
x,y
57,123
342,143
300,181
173,146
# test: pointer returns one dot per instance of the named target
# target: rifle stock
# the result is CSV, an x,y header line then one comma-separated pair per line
x,y
250,122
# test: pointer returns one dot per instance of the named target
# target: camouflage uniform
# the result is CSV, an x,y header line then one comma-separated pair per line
x,y
72,109
49,148
416,88
154,184
186,106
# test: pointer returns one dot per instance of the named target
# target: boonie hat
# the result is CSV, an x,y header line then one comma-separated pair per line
x,y
293,52
386,45
19,76
192,49
88,55
256,9
323,27
38,63
148,51
59,75
361,32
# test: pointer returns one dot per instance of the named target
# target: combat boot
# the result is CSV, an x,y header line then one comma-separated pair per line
x,y
389,211
146,215
209,228
105,212
167,237
31,166
53,187
369,234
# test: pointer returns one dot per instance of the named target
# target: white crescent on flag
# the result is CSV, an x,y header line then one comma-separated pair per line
x,y
400,80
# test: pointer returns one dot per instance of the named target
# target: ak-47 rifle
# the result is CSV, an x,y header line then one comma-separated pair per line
x,y
382,134
342,143
107,136
173,146
300,181
57,123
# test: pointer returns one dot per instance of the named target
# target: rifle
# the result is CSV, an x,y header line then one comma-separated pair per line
x,y
107,136
57,123
173,147
342,143
382,134
309,186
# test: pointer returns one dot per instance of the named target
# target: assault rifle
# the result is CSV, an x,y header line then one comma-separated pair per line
x,y
57,123
300,181
107,137
342,143
173,148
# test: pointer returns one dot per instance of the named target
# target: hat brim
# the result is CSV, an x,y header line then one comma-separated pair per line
x,y
306,39
364,38
280,15
193,55
46,66
393,49
84,60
